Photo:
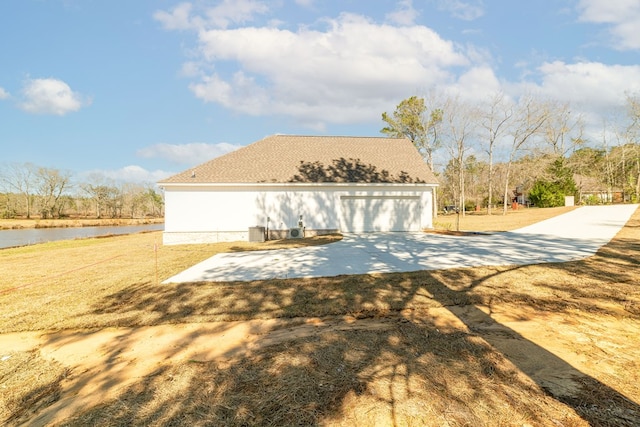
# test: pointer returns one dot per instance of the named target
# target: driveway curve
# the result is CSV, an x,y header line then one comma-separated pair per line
x,y
571,236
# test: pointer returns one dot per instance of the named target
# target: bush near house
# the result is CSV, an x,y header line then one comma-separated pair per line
x,y
547,193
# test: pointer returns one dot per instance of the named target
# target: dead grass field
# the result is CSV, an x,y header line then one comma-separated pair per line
x,y
89,337
15,224
480,221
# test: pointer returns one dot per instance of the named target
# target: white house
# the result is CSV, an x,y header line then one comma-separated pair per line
x,y
323,183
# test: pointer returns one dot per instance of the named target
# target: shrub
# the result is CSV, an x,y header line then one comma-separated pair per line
x,y
544,195
550,193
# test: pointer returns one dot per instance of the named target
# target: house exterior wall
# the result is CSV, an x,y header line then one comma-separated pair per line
x,y
372,213
214,213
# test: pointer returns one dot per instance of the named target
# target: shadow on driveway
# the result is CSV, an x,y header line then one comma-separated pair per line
x,y
572,236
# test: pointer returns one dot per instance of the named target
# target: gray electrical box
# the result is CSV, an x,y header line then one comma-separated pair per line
x,y
256,234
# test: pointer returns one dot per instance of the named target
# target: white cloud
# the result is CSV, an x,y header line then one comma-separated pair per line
x,y
305,3
349,71
4,94
187,154
184,16
127,174
623,16
134,173
465,10
477,84
595,91
50,96
179,18
589,84
190,69
406,14
235,12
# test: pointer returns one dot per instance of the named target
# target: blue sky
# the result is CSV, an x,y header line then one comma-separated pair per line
x,y
138,90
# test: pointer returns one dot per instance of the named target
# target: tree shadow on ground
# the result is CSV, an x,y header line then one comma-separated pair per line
x,y
404,371
407,367
390,349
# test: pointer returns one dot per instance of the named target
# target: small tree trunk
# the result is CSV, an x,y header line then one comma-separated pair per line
x,y
490,200
506,190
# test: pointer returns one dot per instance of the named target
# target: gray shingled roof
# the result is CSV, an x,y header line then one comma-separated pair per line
x,y
290,158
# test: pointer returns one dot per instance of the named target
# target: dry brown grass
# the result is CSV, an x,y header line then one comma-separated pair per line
x,y
86,283
410,374
29,383
550,344
15,224
481,221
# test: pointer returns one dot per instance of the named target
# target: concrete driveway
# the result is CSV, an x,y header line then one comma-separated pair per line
x,y
574,235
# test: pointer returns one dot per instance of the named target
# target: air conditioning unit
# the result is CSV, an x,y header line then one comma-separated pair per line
x,y
296,233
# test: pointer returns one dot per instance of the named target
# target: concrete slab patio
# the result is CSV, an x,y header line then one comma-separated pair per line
x,y
571,236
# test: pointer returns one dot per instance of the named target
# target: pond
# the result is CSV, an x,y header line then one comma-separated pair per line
x,y
30,236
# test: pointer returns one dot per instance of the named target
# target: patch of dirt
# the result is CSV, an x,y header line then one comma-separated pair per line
x,y
103,363
561,355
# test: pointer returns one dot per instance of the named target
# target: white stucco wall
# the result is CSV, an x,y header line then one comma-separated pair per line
x,y
205,213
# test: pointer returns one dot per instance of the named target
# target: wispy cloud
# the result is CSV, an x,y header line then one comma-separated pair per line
x,y
305,3
50,96
622,16
591,84
187,154
186,16
4,94
405,14
467,10
179,18
127,174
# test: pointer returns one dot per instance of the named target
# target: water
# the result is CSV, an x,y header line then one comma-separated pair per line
x,y
30,236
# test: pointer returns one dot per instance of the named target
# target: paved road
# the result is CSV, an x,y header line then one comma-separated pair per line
x,y
571,236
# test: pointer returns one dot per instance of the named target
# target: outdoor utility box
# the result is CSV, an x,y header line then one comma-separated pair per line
x,y
256,234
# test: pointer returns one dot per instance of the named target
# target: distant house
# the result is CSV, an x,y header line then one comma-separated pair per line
x,y
309,184
592,190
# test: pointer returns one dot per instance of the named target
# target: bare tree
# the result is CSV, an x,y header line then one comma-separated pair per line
x,y
98,189
155,201
22,179
459,121
633,130
633,111
494,121
476,179
563,130
609,172
529,117
51,184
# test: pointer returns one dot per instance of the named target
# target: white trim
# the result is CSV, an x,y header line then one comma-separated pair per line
x,y
294,184
381,196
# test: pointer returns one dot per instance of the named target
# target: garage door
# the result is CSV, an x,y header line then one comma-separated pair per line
x,y
380,213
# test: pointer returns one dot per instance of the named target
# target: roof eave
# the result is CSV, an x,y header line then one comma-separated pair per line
x,y
296,184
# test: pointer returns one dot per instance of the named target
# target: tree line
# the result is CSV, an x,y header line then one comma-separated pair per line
x,y
28,190
527,150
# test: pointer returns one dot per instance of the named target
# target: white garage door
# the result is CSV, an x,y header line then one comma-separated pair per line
x,y
380,213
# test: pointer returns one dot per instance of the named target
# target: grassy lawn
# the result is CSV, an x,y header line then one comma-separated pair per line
x,y
550,344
